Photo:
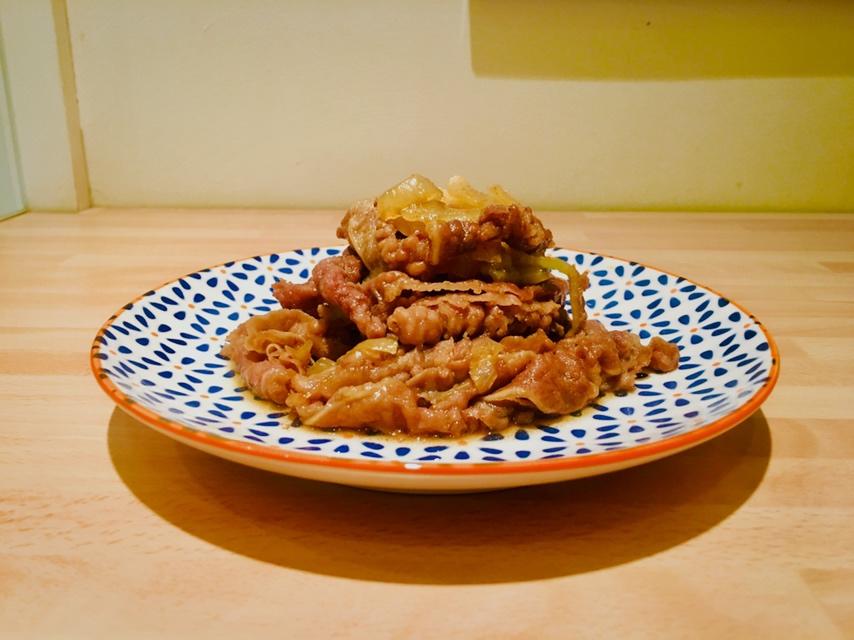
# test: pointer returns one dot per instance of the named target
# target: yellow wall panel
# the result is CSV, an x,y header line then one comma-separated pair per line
x,y
265,103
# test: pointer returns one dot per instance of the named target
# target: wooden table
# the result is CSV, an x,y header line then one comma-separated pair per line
x,y
112,530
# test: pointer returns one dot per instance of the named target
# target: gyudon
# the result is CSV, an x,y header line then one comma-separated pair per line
x,y
443,316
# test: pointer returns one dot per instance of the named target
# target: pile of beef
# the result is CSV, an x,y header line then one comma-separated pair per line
x,y
442,317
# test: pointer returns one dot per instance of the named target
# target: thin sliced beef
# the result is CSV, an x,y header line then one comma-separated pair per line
x,y
453,388
422,313
582,367
442,249
432,319
270,349
334,281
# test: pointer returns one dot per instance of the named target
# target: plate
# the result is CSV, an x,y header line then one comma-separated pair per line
x,y
158,359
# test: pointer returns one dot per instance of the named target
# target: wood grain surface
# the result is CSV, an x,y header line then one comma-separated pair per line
x,y
110,530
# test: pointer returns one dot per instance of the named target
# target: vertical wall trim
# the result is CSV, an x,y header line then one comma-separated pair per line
x,y
11,150
79,167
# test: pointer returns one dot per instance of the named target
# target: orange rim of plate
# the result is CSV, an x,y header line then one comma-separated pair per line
x,y
636,453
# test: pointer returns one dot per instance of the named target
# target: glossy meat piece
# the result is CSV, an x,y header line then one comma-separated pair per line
x,y
335,281
441,250
423,313
452,315
443,390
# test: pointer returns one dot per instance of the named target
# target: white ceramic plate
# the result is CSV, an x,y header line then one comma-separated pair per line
x,y
157,358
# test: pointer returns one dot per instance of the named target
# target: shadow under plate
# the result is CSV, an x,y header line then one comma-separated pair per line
x,y
506,536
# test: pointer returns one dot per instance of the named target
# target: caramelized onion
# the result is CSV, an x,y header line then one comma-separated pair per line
x,y
416,189
484,363
375,346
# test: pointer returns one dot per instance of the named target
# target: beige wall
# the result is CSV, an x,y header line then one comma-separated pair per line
x,y
11,200
37,105
268,103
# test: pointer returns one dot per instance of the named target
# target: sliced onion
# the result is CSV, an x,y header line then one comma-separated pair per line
x,y
462,195
437,211
321,365
374,346
498,195
416,189
362,234
483,369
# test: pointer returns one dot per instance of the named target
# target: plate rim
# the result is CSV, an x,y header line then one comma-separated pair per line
x,y
636,453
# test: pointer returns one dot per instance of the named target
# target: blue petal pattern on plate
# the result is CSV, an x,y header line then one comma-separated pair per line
x,y
162,352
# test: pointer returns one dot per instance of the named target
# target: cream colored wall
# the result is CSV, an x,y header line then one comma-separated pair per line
x,y
11,200
265,103
37,105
